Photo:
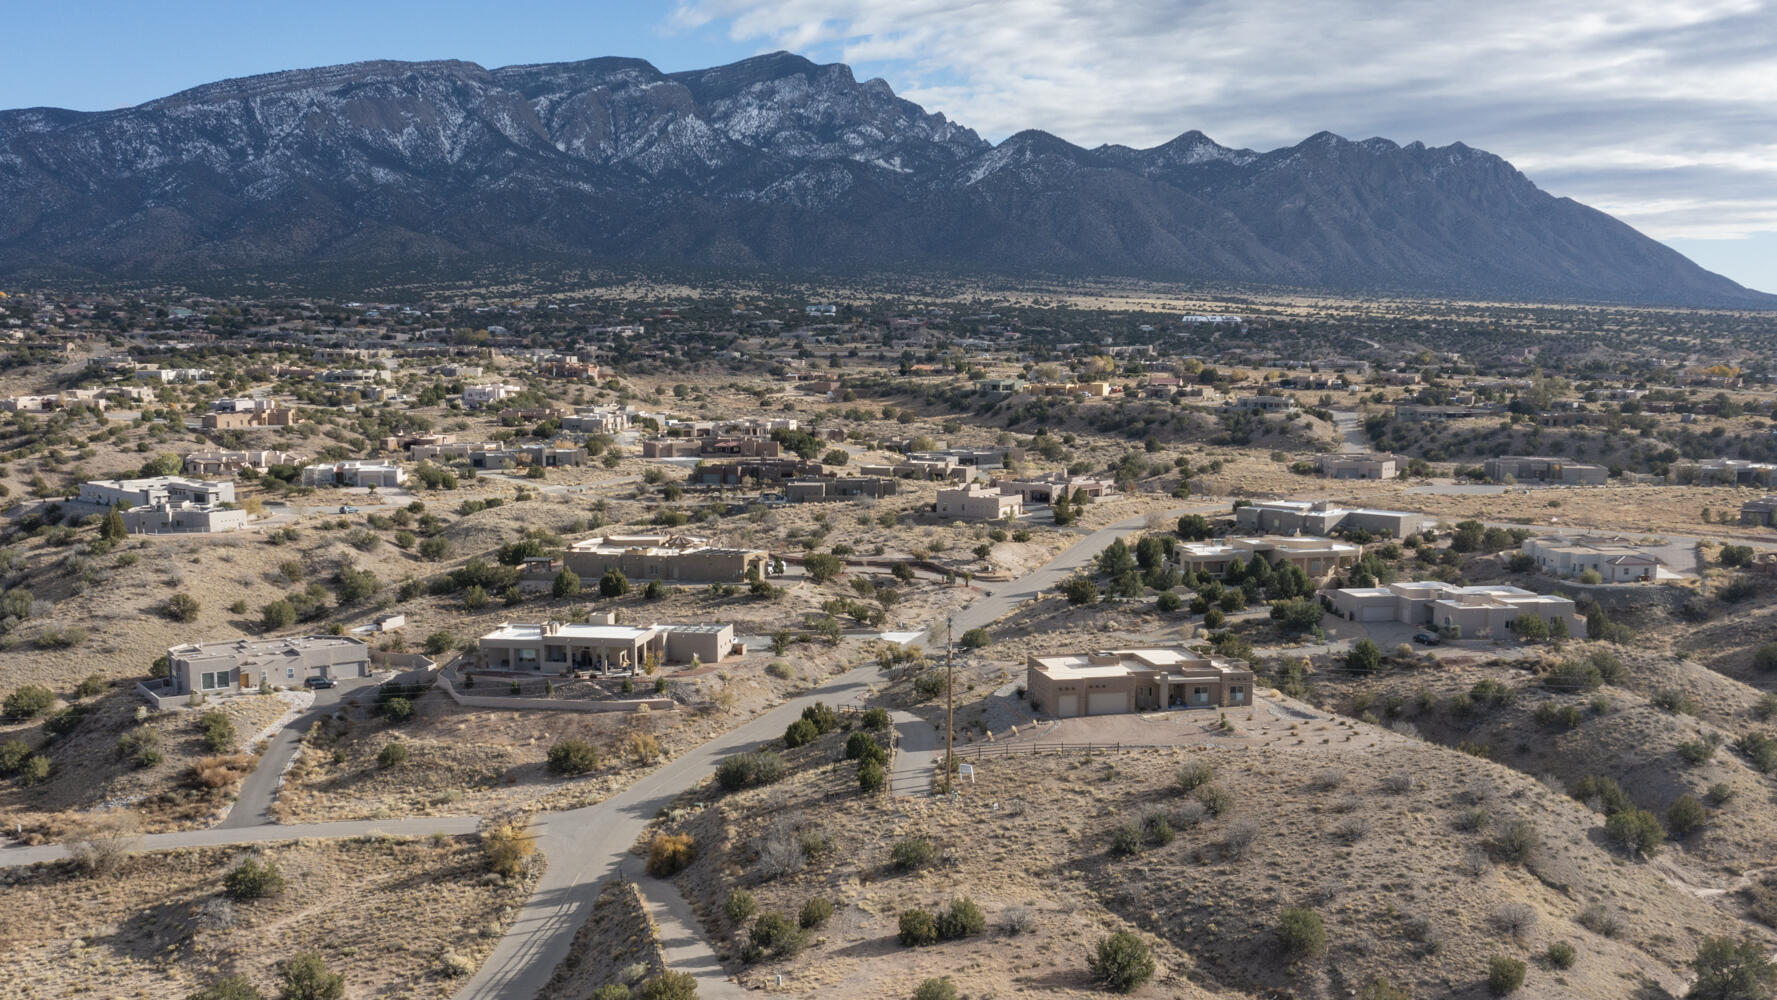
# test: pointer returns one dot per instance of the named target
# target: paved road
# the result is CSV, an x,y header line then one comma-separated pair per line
x,y
1005,598
1352,439
586,846
416,827
252,807
918,755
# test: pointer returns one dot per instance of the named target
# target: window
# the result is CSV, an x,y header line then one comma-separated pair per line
x,y
289,673
211,681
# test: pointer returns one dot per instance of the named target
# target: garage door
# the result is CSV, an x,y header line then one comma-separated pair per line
x,y
1107,703
1069,705
1375,614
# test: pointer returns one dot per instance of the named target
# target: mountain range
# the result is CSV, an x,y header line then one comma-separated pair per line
x,y
772,163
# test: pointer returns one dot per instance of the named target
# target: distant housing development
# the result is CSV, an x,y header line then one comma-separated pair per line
x,y
662,557
1120,681
217,463
1476,611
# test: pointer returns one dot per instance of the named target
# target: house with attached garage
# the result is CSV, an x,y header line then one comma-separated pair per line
x,y
237,665
1121,681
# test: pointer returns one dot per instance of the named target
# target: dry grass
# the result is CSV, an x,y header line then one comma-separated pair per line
x,y
1393,880
384,913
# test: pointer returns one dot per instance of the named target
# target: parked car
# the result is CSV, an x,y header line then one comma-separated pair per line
x,y
319,682
1427,638
348,510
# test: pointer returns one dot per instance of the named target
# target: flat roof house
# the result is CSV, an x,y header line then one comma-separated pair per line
x,y
1614,559
1367,466
1044,489
1318,517
1484,610
233,666
975,502
662,557
1120,681
358,472
216,463
600,647
1312,554
154,490
183,517
1530,468
1761,511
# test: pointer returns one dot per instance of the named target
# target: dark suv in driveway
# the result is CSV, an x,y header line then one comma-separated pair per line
x,y
319,682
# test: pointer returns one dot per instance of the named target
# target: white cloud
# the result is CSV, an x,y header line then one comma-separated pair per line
x,y
1658,111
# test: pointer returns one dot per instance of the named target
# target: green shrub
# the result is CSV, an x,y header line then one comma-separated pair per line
x,y
29,702
774,935
859,745
392,755
936,989
1561,955
749,770
824,719
740,906
93,685
228,988
1382,989
34,770
1573,677
1194,774
929,684
219,735
612,991
253,879
397,709
1519,842
1685,815
962,919
573,757
815,913
917,928
1732,970
1636,831
1301,932
800,733
1504,975
872,776
306,977
670,986
182,607
1126,839
1121,962
140,746
913,853
876,719
1216,799
974,638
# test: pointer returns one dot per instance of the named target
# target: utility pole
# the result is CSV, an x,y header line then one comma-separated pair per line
x,y
949,705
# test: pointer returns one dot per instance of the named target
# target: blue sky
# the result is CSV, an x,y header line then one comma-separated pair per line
x,y
1657,111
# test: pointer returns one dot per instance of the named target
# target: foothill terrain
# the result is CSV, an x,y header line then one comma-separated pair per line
x,y
653,638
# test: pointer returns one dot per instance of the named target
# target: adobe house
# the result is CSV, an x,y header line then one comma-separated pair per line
x,y
236,665
1481,610
1120,681
600,647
